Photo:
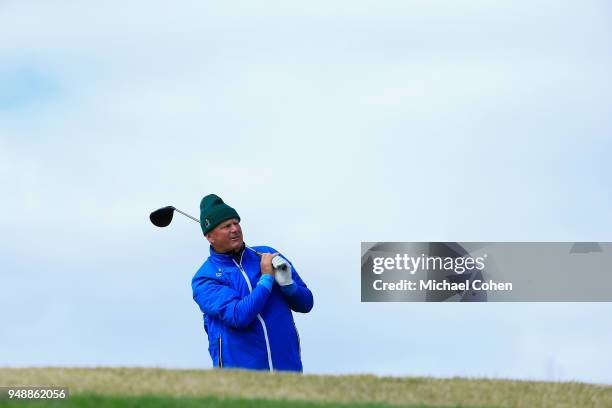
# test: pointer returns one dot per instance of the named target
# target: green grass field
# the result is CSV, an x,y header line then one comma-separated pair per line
x,y
107,401
139,387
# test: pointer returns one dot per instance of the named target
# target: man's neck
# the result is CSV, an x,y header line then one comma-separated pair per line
x,y
237,254
234,254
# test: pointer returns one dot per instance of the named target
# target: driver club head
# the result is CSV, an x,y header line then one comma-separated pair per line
x,y
162,217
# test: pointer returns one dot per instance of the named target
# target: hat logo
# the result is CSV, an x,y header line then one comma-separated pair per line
x,y
206,222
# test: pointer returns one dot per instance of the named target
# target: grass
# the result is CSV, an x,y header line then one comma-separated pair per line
x,y
131,387
152,401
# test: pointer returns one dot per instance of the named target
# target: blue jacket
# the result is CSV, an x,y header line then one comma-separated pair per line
x,y
249,325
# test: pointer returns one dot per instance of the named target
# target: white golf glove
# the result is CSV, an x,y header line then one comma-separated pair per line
x,y
282,271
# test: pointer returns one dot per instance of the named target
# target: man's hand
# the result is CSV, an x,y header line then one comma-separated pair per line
x,y
266,264
283,271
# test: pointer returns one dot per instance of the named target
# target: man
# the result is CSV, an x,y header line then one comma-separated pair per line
x,y
247,302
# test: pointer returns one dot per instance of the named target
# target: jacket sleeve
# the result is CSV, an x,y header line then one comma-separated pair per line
x,y
217,299
297,295
300,298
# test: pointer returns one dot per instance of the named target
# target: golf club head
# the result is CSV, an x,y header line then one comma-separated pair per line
x,y
162,217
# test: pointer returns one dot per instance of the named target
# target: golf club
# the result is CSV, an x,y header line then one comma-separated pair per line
x,y
162,217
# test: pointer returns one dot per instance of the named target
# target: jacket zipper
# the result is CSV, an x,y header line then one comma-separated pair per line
x,y
261,320
220,353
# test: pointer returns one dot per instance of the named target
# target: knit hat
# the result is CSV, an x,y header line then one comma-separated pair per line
x,y
213,211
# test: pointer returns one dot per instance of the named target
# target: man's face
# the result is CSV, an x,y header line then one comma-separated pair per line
x,y
226,236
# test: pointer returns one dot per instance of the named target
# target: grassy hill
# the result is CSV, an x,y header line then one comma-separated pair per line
x,y
134,387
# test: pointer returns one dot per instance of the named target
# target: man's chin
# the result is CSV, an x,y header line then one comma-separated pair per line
x,y
237,245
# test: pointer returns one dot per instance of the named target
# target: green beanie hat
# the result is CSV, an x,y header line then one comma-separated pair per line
x,y
213,211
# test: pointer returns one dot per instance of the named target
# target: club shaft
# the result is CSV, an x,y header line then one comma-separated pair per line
x,y
187,215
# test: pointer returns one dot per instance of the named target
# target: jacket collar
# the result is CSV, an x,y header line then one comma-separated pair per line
x,y
227,257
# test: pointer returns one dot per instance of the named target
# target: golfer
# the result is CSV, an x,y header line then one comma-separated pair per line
x,y
247,302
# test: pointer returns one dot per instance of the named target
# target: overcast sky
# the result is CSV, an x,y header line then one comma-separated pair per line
x,y
324,123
